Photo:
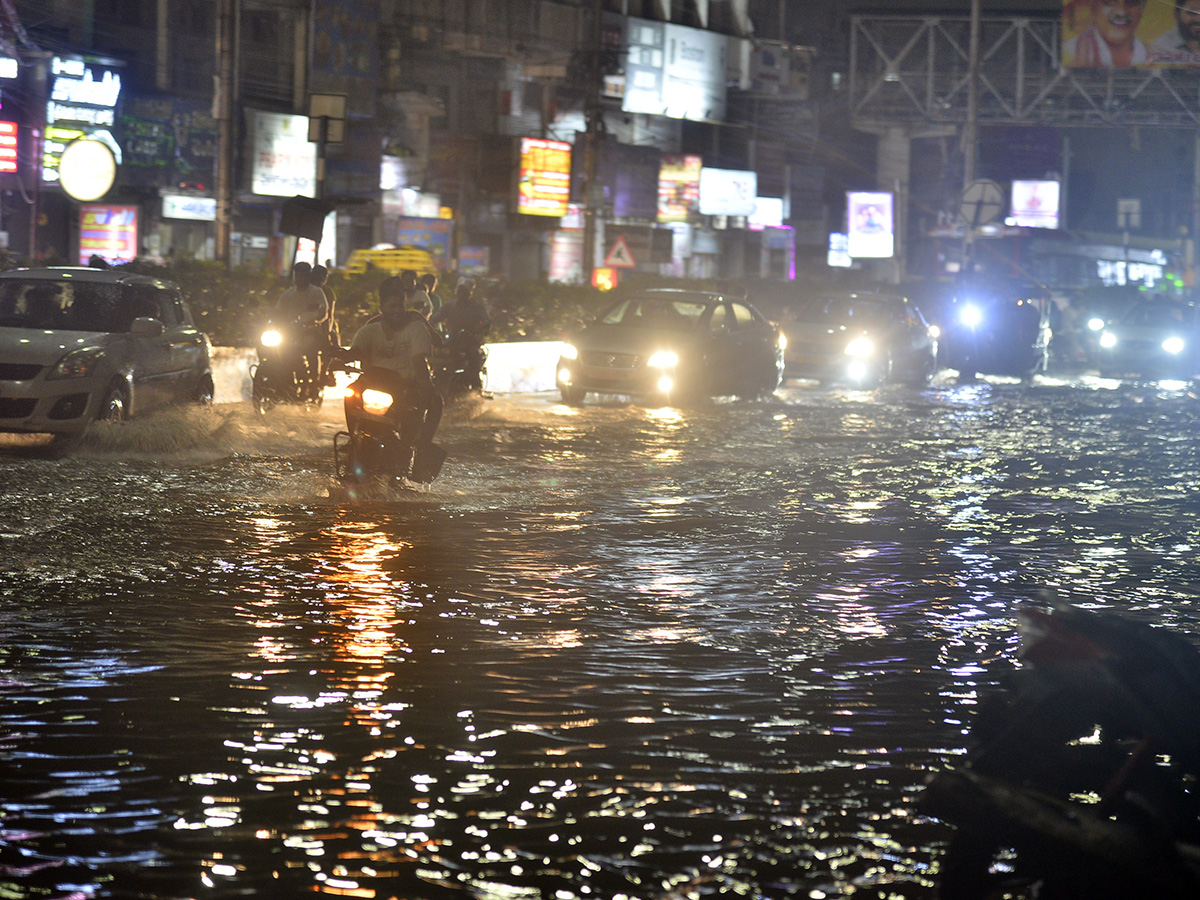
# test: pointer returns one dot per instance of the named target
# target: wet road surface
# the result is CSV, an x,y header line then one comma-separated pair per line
x,y
614,652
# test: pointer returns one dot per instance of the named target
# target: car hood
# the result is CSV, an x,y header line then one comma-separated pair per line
x,y
624,339
44,348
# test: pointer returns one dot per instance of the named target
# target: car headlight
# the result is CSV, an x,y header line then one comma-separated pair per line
x,y
971,316
377,403
782,342
569,351
1108,340
77,364
664,359
934,332
271,338
862,347
1095,323
1173,345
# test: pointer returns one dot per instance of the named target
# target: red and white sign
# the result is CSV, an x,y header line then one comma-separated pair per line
x,y
8,146
619,256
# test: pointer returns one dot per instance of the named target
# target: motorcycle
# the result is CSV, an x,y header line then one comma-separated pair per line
x,y
290,368
379,444
463,368
1081,779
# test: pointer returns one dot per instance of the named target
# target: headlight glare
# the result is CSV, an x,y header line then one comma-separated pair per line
x,y
271,338
971,316
1108,340
1095,323
77,364
782,342
664,359
569,351
1173,345
861,347
377,403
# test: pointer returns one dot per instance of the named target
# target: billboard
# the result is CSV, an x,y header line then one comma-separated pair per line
x,y
110,232
1034,204
544,187
674,71
284,161
678,188
83,103
727,192
870,224
1102,34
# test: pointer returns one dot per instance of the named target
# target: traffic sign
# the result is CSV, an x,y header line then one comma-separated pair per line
x,y
982,202
619,256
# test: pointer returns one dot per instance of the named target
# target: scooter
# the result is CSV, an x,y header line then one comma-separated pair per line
x,y
1081,779
289,369
379,444
464,366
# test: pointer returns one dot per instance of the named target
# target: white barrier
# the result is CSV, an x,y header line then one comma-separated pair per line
x,y
513,368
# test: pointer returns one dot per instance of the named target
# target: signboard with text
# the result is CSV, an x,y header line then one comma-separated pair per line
x,y
284,161
544,185
870,225
1034,204
83,102
679,188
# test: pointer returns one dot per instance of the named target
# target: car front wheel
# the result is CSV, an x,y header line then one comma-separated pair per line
x,y
114,407
572,395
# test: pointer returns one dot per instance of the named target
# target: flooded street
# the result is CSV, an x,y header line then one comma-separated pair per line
x,y
615,652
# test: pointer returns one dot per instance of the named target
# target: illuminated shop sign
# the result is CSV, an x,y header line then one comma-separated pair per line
x,y
110,232
9,67
8,146
768,213
188,206
678,188
545,177
727,192
1034,204
870,224
284,161
83,101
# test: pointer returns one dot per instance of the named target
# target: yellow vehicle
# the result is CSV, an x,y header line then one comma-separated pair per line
x,y
392,261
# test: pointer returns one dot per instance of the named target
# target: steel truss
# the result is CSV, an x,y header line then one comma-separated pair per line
x,y
907,70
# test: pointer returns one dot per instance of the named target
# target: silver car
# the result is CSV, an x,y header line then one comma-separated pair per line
x,y
78,344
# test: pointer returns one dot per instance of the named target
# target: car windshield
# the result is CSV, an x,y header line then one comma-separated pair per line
x,y
670,313
60,305
1157,315
841,311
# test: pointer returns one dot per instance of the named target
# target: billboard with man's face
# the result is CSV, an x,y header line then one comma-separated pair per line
x,y
1131,34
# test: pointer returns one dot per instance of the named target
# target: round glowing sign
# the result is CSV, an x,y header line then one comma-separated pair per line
x,y
87,169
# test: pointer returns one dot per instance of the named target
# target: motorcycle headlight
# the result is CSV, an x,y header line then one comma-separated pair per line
x,y
971,316
569,351
1173,345
664,359
782,342
377,403
934,332
861,347
1108,340
271,338
77,364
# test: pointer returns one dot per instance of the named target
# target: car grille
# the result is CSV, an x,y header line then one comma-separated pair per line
x,y
16,409
18,372
604,360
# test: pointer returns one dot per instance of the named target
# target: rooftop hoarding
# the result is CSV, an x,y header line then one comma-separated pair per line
x,y
674,71
544,186
1130,34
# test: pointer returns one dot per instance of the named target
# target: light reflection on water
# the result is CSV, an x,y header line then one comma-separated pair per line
x,y
616,652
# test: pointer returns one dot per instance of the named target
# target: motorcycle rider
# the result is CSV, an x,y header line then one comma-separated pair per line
x,y
466,323
396,350
304,304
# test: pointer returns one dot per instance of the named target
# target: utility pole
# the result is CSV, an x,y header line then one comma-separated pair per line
x,y
594,119
223,96
971,137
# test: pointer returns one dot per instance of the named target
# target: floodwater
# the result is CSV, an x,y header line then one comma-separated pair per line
x,y
615,652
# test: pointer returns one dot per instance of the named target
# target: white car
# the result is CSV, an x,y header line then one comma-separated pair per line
x,y
81,344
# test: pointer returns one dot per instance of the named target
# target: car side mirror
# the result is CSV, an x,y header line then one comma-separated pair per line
x,y
144,326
